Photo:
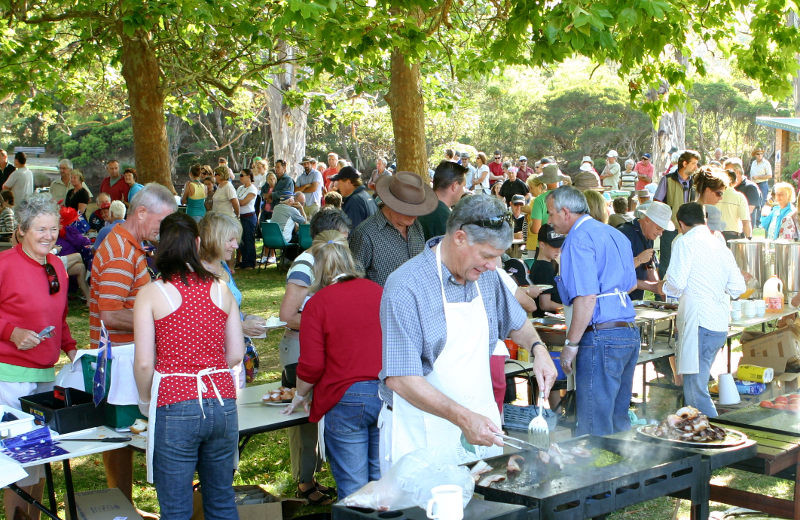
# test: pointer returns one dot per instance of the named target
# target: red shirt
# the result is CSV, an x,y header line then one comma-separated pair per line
x,y
338,349
28,304
326,176
119,191
524,173
643,168
188,340
496,169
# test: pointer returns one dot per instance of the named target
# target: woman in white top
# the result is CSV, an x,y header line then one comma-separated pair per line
x,y
246,193
224,199
480,181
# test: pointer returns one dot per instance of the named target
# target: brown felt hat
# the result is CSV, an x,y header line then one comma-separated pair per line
x,y
407,194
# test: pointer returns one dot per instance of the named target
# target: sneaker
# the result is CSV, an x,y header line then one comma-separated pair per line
x,y
262,260
272,260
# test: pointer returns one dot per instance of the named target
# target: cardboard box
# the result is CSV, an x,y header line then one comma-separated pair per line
x,y
772,350
270,508
104,504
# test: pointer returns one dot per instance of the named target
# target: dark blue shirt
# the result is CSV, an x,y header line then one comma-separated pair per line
x,y
359,205
633,232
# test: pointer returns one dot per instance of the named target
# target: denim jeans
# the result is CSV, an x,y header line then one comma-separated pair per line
x,y
695,386
352,437
604,379
763,187
248,240
185,441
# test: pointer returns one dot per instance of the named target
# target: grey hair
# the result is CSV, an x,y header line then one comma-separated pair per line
x,y
153,197
117,209
631,162
65,162
570,198
33,206
735,163
475,208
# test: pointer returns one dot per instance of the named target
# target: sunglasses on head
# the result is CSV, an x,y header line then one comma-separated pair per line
x,y
52,278
492,222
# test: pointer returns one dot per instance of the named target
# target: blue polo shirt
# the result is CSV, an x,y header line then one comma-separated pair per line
x,y
597,259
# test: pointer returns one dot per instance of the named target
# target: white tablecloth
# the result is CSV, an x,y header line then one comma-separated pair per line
x,y
123,386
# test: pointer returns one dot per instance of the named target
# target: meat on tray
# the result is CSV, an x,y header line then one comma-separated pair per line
x,y
688,424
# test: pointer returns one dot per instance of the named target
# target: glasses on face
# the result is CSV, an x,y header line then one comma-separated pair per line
x,y
492,222
496,157
52,278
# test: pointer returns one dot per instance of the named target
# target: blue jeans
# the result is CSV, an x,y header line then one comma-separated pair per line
x,y
763,186
351,437
604,380
695,386
185,442
248,240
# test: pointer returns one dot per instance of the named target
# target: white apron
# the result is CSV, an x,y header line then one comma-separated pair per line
x,y
687,354
157,377
461,372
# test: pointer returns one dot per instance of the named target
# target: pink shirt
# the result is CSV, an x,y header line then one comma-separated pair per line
x,y
646,169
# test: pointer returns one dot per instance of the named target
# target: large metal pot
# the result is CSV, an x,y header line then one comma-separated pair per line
x,y
752,257
787,266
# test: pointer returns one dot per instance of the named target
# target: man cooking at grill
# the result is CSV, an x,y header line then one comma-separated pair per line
x,y
441,314
596,275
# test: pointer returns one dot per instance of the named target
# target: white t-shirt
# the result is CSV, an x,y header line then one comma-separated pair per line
x,y
613,181
221,201
20,182
241,193
484,185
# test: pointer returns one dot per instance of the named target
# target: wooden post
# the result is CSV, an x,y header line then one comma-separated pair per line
x,y
781,150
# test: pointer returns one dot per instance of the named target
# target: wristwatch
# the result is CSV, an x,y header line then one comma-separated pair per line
x,y
537,342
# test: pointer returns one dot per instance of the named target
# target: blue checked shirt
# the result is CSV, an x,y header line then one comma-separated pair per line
x,y
412,315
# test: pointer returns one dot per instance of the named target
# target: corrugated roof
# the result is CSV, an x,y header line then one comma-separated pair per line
x,y
792,124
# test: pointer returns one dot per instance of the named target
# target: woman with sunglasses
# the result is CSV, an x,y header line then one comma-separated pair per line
x,y
247,193
710,184
33,289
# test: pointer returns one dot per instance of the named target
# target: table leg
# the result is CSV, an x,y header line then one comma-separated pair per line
x,y
644,389
71,507
51,491
729,341
243,440
29,499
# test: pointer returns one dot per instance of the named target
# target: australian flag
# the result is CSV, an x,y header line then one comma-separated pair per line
x,y
103,355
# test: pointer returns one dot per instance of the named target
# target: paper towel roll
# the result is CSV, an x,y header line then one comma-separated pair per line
x,y
728,394
755,373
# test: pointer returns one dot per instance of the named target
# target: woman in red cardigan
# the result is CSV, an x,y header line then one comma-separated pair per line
x,y
340,357
33,292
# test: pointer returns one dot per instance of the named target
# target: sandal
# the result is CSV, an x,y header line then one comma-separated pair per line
x,y
330,491
314,496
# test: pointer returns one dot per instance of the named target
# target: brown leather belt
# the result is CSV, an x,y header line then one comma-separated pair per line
x,y
610,325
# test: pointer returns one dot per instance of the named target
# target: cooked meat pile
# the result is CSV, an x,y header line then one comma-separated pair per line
x,y
688,424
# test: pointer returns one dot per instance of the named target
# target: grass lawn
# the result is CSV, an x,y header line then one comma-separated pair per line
x,y
266,458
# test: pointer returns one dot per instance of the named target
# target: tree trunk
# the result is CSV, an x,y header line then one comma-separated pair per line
x,y
671,133
287,124
142,73
408,116
794,20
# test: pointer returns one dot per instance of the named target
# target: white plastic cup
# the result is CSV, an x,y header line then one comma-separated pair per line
x,y
749,309
736,315
736,305
728,393
446,502
761,308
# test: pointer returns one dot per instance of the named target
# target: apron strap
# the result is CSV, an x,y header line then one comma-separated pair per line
x,y
201,386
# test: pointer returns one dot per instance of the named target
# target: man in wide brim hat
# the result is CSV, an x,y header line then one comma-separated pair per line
x,y
407,194
390,237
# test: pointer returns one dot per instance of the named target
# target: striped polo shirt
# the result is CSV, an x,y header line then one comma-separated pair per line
x,y
119,270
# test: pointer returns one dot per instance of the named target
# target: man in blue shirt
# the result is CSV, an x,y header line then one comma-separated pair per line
x,y
596,275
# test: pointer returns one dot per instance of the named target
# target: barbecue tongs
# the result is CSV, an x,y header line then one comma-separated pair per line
x,y
517,443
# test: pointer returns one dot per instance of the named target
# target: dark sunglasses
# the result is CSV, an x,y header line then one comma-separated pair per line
x,y
52,278
491,223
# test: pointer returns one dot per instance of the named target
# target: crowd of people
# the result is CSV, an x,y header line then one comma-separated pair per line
x,y
395,316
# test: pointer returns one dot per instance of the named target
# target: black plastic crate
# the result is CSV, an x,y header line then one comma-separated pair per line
x,y
50,409
598,491
475,510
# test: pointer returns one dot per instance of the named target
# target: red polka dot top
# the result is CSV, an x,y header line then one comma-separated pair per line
x,y
190,339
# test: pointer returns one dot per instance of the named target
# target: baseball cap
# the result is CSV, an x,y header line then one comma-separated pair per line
x,y
522,158
286,195
646,155
518,199
549,236
612,153
464,155
348,172
308,159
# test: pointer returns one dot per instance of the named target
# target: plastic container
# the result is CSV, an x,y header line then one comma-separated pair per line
x,y
512,347
773,294
23,424
116,415
47,408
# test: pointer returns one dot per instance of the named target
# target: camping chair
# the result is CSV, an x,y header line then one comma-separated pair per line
x,y
273,239
304,236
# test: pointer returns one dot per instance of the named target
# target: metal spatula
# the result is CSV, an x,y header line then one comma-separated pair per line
x,y
538,431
